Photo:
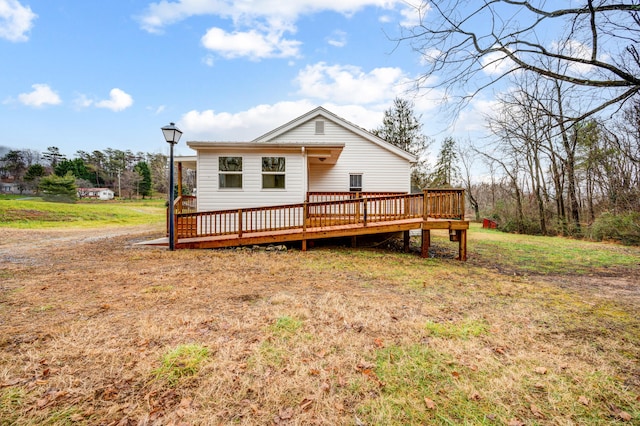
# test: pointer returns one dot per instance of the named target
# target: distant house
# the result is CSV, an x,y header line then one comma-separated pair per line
x,y
97,193
316,152
10,186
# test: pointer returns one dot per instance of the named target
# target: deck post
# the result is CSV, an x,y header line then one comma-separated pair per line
x,y
239,222
407,241
365,210
426,242
462,244
177,230
179,179
305,215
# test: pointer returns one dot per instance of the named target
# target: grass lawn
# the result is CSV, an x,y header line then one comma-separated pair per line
x,y
529,331
27,212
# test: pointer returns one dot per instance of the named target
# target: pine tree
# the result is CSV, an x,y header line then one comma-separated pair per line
x,y
402,128
446,171
144,187
59,188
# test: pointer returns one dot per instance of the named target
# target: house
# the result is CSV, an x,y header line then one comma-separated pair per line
x,y
98,193
316,152
317,176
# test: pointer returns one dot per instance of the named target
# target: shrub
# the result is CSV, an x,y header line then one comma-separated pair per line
x,y
623,228
59,189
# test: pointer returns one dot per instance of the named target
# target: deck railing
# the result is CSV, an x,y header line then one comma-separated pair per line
x,y
435,204
315,197
444,203
185,204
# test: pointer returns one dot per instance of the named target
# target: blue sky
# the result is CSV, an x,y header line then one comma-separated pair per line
x,y
90,75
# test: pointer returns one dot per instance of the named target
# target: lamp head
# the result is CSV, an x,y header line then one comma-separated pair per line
x,y
171,133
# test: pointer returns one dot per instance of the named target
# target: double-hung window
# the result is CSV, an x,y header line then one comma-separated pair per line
x,y
230,172
355,182
273,172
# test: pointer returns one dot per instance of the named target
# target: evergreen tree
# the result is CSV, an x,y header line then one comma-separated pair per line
x,y
33,175
402,128
59,188
446,171
144,187
75,167
53,156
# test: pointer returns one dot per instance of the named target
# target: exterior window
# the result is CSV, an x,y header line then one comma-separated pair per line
x,y
273,172
230,172
320,127
355,182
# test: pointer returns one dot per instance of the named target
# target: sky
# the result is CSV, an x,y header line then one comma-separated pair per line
x,y
93,74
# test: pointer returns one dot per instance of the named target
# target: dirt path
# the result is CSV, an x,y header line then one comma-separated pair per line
x,y
34,246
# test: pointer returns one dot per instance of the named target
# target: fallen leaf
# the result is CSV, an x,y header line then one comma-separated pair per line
x,y
624,416
583,400
474,396
76,417
455,374
515,422
186,402
540,370
306,404
536,411
286,413
378,342
314,372
429,403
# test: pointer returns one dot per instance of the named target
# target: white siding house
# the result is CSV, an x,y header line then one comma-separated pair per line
x,y
316,152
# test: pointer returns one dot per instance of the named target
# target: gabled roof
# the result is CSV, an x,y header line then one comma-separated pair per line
x,y
328,115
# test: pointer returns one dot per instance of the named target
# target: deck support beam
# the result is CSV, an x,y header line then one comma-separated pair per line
x,y
407,241
462,244
426,242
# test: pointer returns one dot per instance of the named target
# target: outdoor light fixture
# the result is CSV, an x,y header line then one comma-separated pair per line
x,y
172,136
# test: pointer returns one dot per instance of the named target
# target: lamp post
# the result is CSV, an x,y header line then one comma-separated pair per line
x,y
172,136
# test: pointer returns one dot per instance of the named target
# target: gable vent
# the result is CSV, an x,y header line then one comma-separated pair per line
x,y
319,127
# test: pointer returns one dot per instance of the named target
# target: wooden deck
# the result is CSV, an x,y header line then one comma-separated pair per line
x,y
324,215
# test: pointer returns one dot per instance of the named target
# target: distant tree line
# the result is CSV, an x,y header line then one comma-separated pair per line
x,y
537,174
127,173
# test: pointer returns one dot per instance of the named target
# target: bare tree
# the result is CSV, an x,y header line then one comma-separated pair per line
x,y
470,45
467,156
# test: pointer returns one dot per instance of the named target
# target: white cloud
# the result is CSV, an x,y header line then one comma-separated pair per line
x,y
496,64
244,125
41,95
16,20
259,26
338,39
578,50
209,60
210,125
350,84
82,101
252,44
167,12
118,101
413,13
473,118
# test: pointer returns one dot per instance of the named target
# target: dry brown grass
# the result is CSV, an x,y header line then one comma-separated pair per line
x,y
330,336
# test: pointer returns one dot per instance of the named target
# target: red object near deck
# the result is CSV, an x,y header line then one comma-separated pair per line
x,y
489,224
